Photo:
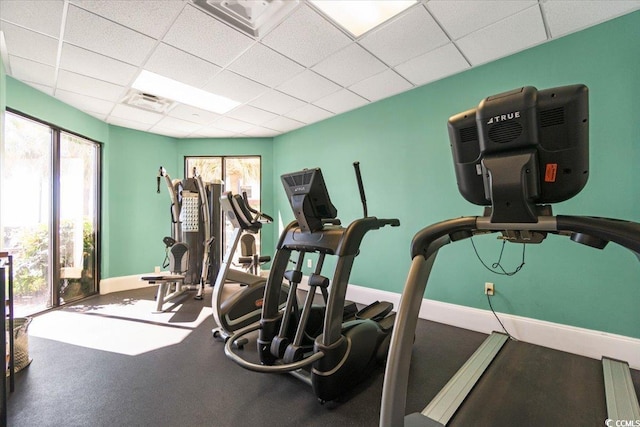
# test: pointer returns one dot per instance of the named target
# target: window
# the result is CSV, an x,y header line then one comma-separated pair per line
x,y
49,192
239,174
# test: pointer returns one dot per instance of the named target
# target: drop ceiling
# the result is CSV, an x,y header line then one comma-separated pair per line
x,y
301,70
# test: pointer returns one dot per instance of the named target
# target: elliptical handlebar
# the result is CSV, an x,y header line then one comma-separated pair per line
x,y
271,369
258,215
363,199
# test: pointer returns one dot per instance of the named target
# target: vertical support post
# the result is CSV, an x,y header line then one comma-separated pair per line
x,y
3,350
396,375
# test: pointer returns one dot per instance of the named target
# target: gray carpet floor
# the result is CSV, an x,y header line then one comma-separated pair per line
x,y
108,361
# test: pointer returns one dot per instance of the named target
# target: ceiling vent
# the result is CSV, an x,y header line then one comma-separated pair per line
x,y
147,101
252,17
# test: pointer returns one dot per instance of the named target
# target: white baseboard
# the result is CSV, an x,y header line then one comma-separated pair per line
x,y
123,283
584,342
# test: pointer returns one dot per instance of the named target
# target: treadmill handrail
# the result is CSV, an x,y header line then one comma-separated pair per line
x,y
424,248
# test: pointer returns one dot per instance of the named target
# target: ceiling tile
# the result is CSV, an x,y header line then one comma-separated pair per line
x,y
252,115
308,86
381,86
511,35
30,45
192,114
44,89
283,124
341,101
100,35
101,117
434,65
32,72
391,44
277,102
232,125
206,37
83,102
303,70
44,16
87,85
260,132
461,17
127,112
564,17
306,37
127,123
309,114
234,86
350,65
152,18
181,66
94,65
159,130
265,66
212,132
177,124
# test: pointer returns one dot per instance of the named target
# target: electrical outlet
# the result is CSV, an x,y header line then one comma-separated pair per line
x,y
310,263
488,288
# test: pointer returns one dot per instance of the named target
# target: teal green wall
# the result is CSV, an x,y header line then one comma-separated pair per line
x,y
262,147
403,147
137,216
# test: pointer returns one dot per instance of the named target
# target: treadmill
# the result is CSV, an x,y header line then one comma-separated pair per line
x,y
515,154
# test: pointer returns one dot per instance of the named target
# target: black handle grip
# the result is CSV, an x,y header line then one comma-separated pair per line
x,y
394,222
356,166
158,179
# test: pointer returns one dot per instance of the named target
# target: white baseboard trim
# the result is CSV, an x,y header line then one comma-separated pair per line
x,y
584,342
581,341
123,283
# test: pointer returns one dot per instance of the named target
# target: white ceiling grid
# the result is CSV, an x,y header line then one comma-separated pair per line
x,y
87,53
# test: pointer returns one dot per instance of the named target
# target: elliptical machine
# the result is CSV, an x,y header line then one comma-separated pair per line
x,y
243,307
341,353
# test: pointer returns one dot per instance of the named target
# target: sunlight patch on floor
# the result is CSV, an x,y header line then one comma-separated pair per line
x,y
126,327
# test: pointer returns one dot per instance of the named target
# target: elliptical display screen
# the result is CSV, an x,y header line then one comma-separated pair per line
x,y
309,198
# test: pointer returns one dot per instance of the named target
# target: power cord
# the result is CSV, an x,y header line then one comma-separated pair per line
x,y
502,272
511,337
497,264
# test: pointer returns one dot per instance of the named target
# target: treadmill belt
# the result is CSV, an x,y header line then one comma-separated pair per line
x,y
529,385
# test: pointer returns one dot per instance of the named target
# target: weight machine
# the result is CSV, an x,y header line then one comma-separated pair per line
x,y
196,226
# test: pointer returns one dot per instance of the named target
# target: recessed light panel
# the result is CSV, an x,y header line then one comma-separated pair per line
x,y
155,84
360,16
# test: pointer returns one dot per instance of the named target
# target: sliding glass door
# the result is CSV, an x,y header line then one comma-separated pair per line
x,y
77,229
49,215
26,210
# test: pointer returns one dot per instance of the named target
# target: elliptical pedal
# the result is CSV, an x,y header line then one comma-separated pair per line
x,y
386,323
375,311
